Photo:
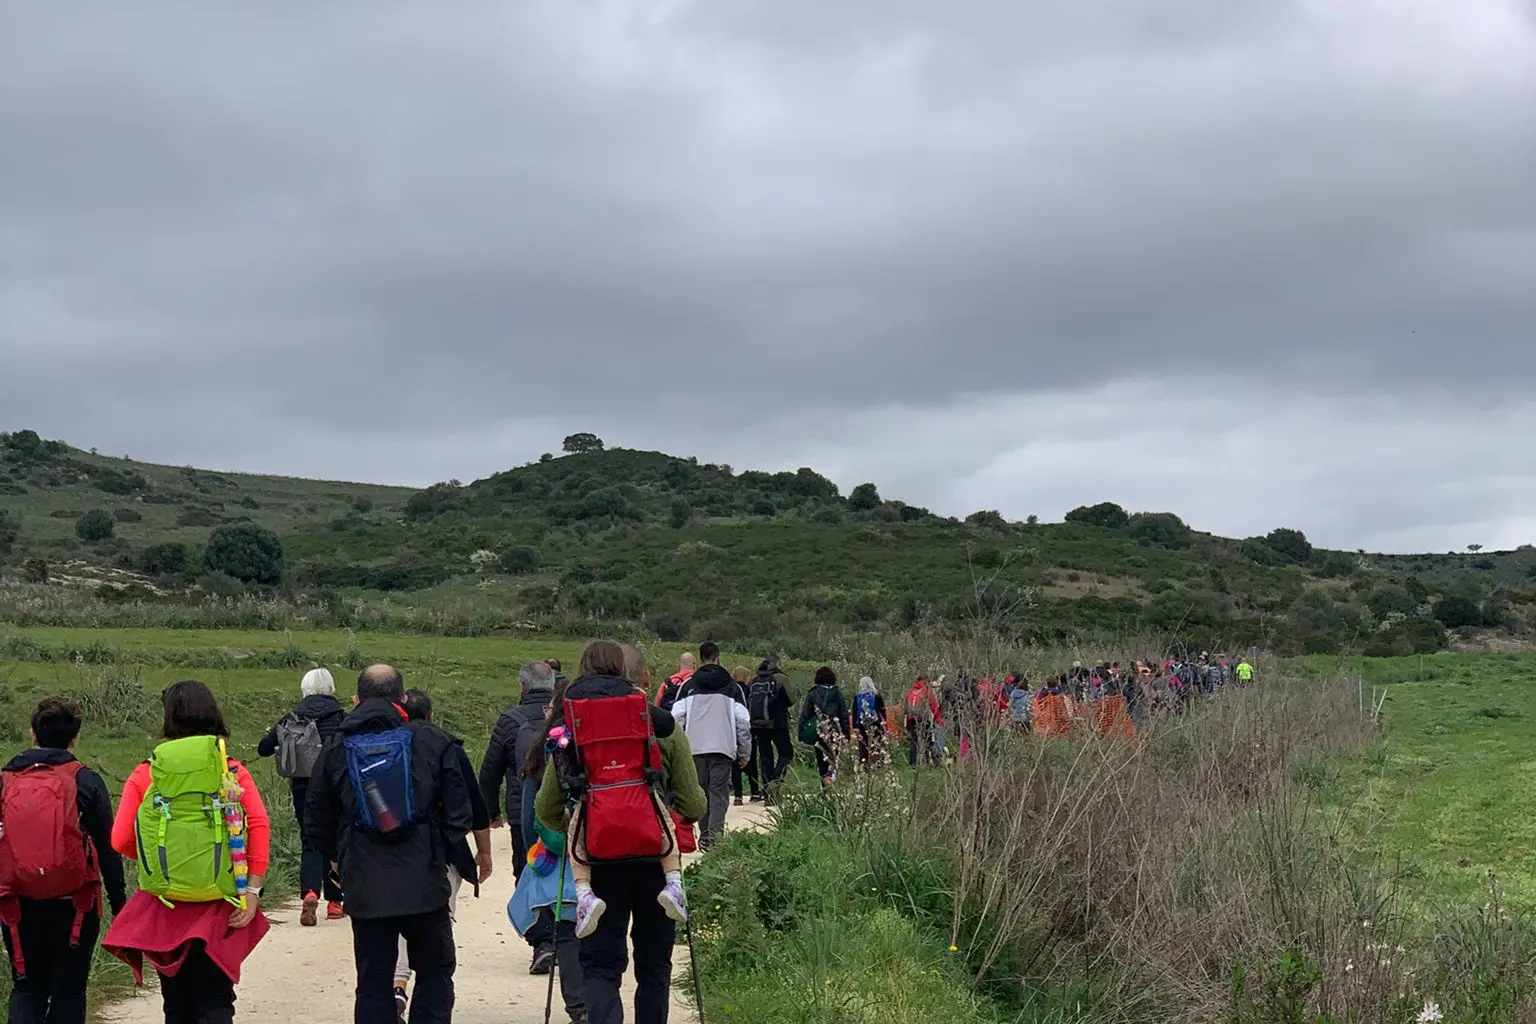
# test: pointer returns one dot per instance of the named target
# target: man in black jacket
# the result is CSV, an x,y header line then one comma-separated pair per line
x,y
319,705
54,986
769,700
397,883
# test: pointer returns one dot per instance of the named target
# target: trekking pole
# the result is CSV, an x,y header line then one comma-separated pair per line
x,y
549,995
693,964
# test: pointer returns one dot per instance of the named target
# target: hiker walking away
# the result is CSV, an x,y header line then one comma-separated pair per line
x,y
712,712
670,690
1244,672
197,914
749,770
628,882
1017,698
463,865
922,720
296,741
769,700
869,719
824,722
516,728
55,857
388,801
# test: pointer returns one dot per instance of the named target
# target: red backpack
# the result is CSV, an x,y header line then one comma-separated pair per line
x,y
618,778
44,854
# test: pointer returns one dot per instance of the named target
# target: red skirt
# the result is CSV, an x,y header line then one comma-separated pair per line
x,y
149,930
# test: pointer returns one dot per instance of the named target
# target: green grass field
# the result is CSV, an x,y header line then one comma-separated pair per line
x,y
1450,793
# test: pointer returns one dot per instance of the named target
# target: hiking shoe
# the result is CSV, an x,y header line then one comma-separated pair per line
x,y
335,910
307,916
758,798
673,902
400,1004
589,911
543,961
737,801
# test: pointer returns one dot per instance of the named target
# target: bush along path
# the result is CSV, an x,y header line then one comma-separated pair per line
x,y
306,974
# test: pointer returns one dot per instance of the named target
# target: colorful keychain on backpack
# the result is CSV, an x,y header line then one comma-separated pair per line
x,y
234,824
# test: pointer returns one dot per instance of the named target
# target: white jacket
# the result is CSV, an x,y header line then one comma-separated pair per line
x,y
712,711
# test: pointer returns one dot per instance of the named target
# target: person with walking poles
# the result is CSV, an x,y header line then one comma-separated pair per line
x,y
618,822
389,800
712,712
296,741
56,857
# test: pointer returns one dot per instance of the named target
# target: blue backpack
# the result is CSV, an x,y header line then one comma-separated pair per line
x,y
864,709
379,764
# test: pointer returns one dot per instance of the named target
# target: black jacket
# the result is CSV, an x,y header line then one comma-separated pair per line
x,y
461,855
781,701
504,754
405,873
829,701
321,708
95,807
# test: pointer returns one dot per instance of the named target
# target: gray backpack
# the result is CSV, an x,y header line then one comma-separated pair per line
x,y
298,747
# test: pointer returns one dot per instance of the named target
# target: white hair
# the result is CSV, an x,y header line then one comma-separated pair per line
x,y
318,681
685,661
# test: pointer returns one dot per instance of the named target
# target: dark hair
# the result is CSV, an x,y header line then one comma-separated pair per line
x,y
191,710
553,663
709,651
533,763
825,676
56,722
767,665
602,658
418,705
381,681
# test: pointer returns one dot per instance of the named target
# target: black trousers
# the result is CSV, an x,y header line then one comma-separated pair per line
x,y
630,891
750,772
568,955
53,992
314,873
766,743
200,993
428,943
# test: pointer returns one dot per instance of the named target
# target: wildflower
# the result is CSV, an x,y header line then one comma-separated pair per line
x,y
1430,1014
1349,967
954,949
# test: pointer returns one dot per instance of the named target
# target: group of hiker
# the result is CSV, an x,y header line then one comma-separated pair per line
x,y
601,779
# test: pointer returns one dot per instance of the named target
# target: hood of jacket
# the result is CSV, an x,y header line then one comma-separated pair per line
x,y
317,706
373,715
39,755
593,687
712,679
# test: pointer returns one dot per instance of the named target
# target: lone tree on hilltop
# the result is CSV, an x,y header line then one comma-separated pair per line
x,y
864,498
247,552
97,524
1474,548
582,444
1292,545
1106,514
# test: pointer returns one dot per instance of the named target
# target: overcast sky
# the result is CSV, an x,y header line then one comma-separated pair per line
x,y
1259,263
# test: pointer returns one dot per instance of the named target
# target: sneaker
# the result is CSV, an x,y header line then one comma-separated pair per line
x,y
308,916
737,801
589,911
335,910
757,798
673,902
543,961
400,1004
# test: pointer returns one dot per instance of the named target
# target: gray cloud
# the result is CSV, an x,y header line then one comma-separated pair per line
x,y
223,232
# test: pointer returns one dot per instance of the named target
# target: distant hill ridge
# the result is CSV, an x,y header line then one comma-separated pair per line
x,y
667,545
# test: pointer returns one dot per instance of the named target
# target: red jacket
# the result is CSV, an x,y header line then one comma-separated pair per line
x,y
915,696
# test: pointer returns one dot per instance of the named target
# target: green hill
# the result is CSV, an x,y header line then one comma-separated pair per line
x,y
647,541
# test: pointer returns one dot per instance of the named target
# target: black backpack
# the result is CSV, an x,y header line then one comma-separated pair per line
x,y
760,701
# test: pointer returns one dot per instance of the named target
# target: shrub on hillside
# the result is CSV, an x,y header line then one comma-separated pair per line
x,y
113,482
1413,634
518,560
1106,514
434,501
35,570
197,517
168,559
986,517
10,530
247,552
1291,545
127,515
582,444
96,525
1456,612
1161,529
680,514
864,498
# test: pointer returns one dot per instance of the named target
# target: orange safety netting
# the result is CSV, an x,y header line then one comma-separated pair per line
x,y
1109,715
1053,715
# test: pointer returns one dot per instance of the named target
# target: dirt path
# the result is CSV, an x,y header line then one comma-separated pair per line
x,y
306,974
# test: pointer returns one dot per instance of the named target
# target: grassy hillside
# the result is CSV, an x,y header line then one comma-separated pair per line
x,y
662,545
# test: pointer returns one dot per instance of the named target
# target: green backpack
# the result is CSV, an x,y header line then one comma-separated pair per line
x,y
183,834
